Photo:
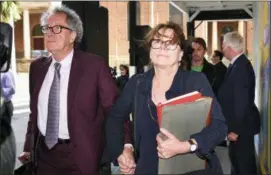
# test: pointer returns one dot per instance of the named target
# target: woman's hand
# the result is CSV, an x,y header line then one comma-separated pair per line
x,y
171,146
127,162
232,137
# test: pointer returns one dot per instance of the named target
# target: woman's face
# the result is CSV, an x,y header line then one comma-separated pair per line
x,y
163,52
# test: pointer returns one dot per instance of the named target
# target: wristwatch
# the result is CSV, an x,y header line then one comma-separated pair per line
x,y
193,145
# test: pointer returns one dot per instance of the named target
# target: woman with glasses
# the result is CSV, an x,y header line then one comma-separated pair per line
x,y
141,96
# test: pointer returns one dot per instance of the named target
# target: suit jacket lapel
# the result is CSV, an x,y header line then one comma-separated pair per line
x,y
232,69
76,73
40,73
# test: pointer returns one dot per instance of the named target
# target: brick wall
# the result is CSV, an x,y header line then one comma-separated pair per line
x,y
118,32
161,12
19,44
118,26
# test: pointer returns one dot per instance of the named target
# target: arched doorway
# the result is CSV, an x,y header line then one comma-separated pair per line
x,y
225,27
37,38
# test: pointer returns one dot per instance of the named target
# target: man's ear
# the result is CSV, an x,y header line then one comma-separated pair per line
x,y
73,37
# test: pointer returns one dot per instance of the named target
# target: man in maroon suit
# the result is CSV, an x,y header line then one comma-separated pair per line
x,y
71,92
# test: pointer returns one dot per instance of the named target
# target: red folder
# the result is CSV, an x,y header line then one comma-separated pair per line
x,y
187,98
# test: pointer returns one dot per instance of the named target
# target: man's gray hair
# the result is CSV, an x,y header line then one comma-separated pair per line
x,y
235,41
73,20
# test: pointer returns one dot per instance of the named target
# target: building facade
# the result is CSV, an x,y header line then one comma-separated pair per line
x,y
29,41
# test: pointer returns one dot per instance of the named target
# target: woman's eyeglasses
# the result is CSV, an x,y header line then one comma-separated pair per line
x,y
55,29
168,45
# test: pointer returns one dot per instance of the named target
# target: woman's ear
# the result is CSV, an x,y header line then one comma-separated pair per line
x,y
180,55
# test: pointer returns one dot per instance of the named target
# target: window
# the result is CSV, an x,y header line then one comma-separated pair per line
x,y
37,38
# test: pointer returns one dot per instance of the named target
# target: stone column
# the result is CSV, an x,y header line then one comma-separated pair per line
x,y
27,37
241,31
214,36
241,27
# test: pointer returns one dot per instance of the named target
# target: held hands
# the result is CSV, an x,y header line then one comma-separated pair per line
x,y
127,162
232,136
171,146
24,157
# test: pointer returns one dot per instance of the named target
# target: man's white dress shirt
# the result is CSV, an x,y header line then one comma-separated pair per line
x,y
44,96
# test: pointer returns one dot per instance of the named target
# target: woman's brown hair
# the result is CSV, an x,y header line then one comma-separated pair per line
x,y
178,38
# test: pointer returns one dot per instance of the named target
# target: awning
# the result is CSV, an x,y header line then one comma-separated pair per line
x,y
215,10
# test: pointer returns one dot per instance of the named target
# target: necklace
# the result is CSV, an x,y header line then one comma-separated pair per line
x,y
148,103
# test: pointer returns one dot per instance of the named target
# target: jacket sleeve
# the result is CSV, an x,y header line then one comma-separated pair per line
x,y
243,94
216,132
128,135
30,128
108,90
115,122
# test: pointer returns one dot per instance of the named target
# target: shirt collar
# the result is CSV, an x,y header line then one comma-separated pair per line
x,y
235,58
66,61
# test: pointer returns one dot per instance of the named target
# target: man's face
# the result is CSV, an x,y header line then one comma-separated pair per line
x,y
215,59
198,52
123,71
58,42
226,50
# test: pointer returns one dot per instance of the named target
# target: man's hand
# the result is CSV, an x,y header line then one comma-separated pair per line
x,y
232,137
171,146
24,157
127,162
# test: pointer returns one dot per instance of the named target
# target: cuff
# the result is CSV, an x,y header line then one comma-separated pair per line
x,y
128,145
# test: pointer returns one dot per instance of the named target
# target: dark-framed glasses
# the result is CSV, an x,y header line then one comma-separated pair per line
x,y
55,29
168,45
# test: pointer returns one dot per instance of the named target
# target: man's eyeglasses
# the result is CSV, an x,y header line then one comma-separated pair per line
x,y
168,45
55,29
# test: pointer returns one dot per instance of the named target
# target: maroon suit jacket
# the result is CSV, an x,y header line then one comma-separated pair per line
x,y
91,94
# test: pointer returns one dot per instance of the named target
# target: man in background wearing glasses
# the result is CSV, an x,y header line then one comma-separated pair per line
x,y
71,92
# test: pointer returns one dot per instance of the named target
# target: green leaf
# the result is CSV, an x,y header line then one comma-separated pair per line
x,y
10,9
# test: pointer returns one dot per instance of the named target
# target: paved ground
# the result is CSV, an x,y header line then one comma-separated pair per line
x,y
21,111
21,115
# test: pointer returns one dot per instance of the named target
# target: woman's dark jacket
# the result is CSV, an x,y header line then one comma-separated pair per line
x,y
184,82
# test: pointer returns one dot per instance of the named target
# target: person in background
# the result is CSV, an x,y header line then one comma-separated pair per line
x,y
236,97
113,73
8,89
220,70
121,82
199,62
141,96
7,138
123,78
